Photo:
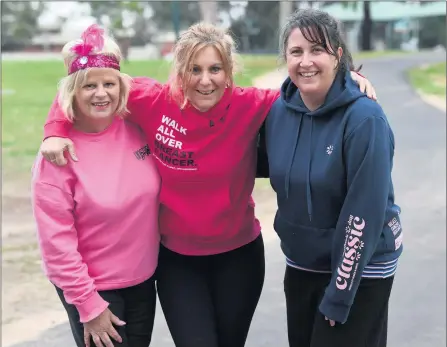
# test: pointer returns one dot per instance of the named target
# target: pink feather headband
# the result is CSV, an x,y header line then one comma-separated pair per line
x,y
92,41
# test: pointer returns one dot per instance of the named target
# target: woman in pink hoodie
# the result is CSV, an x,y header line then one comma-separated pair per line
x,y
97,220
202,129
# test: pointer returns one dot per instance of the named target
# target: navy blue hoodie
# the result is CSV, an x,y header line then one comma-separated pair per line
x,y
331,171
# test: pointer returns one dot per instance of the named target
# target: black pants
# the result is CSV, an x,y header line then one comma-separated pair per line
x,y
209,301
367,321
135,305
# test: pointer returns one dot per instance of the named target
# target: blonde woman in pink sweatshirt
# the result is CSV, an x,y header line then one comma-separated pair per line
x,y
97,220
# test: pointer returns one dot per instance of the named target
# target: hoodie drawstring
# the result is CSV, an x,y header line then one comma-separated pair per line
x,y
308,193
287,183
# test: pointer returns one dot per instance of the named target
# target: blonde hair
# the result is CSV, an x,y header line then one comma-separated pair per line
x,y
70,84
197,37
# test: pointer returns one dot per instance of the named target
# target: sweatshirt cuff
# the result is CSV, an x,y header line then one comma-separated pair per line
x,y
91,308
334,310
56,129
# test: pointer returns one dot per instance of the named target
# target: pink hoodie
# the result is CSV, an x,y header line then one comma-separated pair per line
x,y
97,219
207,162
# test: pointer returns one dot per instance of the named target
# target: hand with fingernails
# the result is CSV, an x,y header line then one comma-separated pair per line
x,y
365,86
53,149
101,329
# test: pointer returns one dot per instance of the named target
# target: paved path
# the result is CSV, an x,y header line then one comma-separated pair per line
x,y
417,314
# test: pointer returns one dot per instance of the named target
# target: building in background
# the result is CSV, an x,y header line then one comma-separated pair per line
x,y
396,25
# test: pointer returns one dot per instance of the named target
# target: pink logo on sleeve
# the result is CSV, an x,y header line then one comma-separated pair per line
x,y
352,253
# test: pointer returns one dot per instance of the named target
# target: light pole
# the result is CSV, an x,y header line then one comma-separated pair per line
x,y
209,11
175,12
285,10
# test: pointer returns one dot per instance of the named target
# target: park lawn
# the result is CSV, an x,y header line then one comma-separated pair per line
x,y
379,54
430,79
28,89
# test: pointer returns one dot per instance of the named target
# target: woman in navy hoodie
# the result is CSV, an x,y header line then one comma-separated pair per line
x,y
330,152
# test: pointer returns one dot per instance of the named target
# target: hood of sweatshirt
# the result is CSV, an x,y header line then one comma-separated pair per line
x,y
344,91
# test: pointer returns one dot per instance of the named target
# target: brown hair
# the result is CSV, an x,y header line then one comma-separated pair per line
x,y
321,28
189,44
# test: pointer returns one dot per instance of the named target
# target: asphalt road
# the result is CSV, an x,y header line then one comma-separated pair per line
x,y
418,302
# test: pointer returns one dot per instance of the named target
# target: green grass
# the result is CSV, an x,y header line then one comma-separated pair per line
x,y
29,88
378,54
429,79
253,66
34,86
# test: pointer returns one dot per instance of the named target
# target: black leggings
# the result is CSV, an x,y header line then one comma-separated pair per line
x,y
135,305
367,321
209,301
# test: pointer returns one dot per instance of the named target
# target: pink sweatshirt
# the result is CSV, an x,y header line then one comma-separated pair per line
x,y
97,219
207,162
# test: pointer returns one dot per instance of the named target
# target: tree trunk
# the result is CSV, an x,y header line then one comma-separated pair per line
x,y
285,10
209,11
366,27
124,44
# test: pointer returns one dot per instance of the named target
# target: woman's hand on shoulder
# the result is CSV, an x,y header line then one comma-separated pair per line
x,y
365,85
53,148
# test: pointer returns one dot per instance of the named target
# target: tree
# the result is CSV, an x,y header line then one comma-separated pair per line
x,y
367,24
432,30
165,13
19,22
113,13
208,10
258,28
117,16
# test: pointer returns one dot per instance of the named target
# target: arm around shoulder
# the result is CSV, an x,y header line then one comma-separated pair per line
x,y
262,163
143,92
56,124
144,95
